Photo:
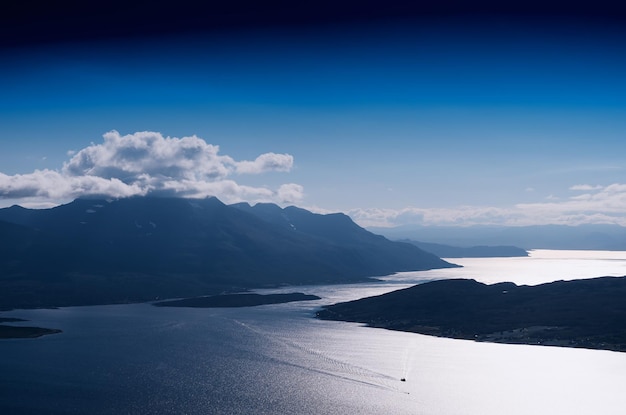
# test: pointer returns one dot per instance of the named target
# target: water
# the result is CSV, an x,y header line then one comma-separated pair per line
x,y
542,266
277,359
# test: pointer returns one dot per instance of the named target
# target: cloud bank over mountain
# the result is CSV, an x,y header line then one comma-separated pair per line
x,y
147,163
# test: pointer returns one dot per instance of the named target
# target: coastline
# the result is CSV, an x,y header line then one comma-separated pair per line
x,y
236,300
587,313
530,336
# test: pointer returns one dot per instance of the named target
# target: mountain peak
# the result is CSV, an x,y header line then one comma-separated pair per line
x,y
135,249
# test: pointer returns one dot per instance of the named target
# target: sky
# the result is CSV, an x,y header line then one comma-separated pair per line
x,y
393,116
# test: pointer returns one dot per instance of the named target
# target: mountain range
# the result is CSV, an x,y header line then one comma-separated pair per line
x,y
96,251
480,251
593,237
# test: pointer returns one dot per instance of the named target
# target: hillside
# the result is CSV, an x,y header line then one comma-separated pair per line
x,y
137,249
581,313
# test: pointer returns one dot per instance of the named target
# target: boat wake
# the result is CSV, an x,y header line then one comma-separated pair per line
x,y
321,362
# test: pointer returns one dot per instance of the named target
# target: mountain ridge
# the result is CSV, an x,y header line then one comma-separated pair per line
x,y
583,237
96,251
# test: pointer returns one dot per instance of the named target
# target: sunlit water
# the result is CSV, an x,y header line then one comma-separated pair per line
x,y
277,359
542,266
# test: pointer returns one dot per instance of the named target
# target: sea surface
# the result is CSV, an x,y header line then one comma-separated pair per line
x,y
279,359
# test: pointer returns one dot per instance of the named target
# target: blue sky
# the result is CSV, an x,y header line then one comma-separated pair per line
x,y
437,122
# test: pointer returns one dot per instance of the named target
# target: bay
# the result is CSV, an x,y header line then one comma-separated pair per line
x,y
278,359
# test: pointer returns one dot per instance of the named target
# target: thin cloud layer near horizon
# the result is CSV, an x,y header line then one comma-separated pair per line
x,y
504,121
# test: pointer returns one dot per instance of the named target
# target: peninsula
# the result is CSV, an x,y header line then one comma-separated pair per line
x,y
587,313
21,332
237,300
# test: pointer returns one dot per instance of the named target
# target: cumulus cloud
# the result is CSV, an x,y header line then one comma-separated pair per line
x,y
50,184
600,204
266,162
149,153
290,193
147,163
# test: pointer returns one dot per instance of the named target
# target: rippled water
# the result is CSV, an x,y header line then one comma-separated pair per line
x,y
277,359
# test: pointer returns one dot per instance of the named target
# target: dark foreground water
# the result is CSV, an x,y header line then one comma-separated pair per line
x,y
277,359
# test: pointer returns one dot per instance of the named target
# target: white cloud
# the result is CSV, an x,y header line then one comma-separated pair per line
x,y
50,184
149,153
460,216
585,187
148,163
266,162
290,193
599,205
319,210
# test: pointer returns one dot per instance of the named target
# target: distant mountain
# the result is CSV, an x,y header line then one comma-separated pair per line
x,y
137,249
582,313
597,237
447,251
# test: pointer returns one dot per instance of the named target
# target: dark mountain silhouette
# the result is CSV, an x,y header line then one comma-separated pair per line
x,y
20,332
597,237
339,230
587,313
95,251
447,251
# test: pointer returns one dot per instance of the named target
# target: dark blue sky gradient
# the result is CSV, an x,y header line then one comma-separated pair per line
x,y
431,110
361,65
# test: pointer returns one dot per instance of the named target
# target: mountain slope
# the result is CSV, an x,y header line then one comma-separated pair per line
x,y
137,249
339,230
587,313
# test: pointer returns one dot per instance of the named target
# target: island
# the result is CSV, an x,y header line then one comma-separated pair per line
x,y
21,332
237,300
588,313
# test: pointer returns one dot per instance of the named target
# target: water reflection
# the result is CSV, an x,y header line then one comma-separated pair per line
x,y
277,359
